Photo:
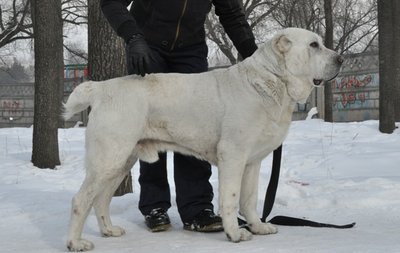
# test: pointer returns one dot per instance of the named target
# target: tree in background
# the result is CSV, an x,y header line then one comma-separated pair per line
x,y
354,22
16,22
256,12
328,96
15,73
106,53
389,64
48,44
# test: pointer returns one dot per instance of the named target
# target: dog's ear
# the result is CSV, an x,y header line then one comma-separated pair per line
x,y
282,44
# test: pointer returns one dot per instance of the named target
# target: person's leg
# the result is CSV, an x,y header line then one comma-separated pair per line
x,y
155,198
194,192
154,187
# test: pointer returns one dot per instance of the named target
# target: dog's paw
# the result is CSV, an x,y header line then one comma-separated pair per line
x,y
113,231
238,235
263,228
79,245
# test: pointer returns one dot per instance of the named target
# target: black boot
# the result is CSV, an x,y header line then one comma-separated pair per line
x,y
205,221
157,220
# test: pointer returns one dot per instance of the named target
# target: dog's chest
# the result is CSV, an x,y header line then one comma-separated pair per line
x,y
270,137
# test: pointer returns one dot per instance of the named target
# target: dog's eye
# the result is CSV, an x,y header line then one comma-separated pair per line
x,y
314,44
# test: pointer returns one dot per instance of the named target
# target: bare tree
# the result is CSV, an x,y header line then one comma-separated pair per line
x,y
396,56
356,25
354,21
74,11
15,21
256,12
48,45
328,115
75,54
389,63
106,49
307,14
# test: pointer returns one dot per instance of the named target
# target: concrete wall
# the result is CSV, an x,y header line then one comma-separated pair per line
x,y
356,97
17,101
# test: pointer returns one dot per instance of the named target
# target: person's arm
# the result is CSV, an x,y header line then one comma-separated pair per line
x,y
120,19
139,54
233,20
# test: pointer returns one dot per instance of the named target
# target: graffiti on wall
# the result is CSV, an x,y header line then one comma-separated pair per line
x,y
12,109
355,92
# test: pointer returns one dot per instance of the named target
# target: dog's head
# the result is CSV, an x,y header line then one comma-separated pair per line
x,y
307,62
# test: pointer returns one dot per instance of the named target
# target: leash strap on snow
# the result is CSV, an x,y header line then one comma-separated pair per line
x,y
270,199
290,221
273,183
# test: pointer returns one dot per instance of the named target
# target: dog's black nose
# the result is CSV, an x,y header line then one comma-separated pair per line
x,y
339,59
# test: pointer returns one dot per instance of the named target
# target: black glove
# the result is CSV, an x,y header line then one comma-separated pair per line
x,y
247,48
139,55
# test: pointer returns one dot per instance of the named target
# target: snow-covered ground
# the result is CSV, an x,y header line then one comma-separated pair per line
x,y
336,173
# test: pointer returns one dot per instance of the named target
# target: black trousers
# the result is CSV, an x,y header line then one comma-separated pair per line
x,y
193,189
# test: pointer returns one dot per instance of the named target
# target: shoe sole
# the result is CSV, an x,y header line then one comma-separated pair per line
x,y
206,229
160,228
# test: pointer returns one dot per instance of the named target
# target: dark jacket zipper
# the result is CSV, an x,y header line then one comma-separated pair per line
x,y
178,26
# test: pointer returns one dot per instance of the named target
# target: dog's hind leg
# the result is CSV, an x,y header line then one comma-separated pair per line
x,y
81,205
248,201
105,170
102,203
96,190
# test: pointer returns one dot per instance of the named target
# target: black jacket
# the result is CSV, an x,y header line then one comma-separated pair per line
x,y
173,24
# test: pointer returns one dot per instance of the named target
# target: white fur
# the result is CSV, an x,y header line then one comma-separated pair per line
x,y
231,117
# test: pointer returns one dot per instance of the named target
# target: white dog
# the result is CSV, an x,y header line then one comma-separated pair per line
x,y
231,117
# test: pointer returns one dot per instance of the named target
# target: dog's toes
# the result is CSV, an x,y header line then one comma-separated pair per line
x,y
114,231
79,245
241,234
263,229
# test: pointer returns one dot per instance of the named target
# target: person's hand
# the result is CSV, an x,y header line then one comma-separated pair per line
x,y
139,55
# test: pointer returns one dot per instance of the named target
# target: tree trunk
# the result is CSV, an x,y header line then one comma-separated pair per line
x,y
328,97
48,43
387,69
106,53
396,58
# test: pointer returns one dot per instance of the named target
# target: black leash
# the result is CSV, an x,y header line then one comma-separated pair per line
x,y
270,199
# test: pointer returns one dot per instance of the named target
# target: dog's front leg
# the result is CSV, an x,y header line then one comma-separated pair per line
x,y
248,201
230,176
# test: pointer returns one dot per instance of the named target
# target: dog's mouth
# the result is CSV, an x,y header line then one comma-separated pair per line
x,y
318,82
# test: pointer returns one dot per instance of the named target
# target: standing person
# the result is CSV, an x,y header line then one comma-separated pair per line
x,y
168,36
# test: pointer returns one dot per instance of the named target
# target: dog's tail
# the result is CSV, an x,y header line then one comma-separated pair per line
x,y
79,100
